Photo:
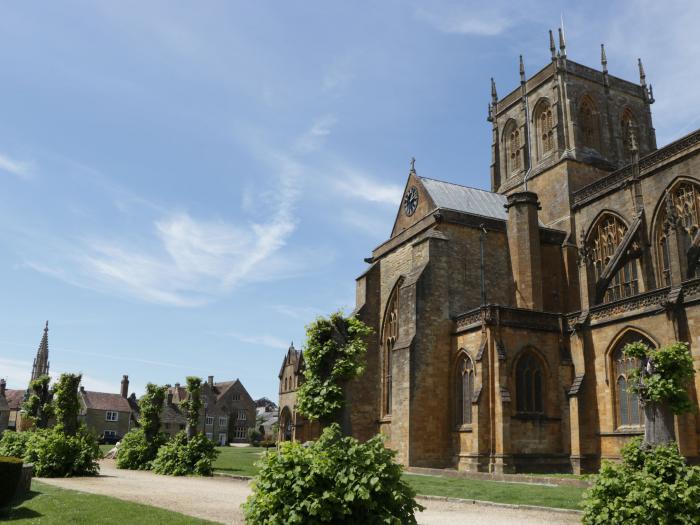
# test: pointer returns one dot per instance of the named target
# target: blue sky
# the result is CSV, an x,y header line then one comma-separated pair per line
x,y
185,185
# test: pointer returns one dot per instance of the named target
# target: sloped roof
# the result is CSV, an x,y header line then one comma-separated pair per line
x,y
105,401
14,398
3,404
467,200
171,414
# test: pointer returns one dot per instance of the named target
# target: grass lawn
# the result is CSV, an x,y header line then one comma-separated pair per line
x,y
51,505
105,448
499,492
239,460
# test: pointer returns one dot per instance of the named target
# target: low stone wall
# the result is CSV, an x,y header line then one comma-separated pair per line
x,y
25,481
512,478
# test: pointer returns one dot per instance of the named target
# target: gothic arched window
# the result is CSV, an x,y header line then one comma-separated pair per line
x,y
628,412
390,333
544,124
588,123
628,128
514,161
603,241
464,390
683,203
529,384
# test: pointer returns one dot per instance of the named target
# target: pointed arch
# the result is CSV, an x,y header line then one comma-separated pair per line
x,y
628,127
678,209
543,121
589,122
389,335
626,404
286,425
530,382
464,374
512,142
602,241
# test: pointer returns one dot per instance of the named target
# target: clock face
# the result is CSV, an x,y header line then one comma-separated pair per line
x,y
410,201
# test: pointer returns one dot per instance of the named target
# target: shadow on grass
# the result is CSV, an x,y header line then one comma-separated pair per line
x,y
15,512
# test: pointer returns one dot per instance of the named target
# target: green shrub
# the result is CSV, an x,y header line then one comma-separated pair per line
x,y
135,452
14,443
650,485
56,454
180,457
10,472
334,480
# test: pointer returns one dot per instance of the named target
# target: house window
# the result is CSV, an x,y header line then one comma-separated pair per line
x,y
529,384
111,415
166,426
210,436
223,421
464,390
240,432
223,438
236,397
210,420
241,415
390,334
604,239
109,434
627,405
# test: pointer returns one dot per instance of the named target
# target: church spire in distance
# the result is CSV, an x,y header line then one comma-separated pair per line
x,y
41,361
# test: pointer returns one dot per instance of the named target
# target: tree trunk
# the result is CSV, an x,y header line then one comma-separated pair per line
x,y
659,426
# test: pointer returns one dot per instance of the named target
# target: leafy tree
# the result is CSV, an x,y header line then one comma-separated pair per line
x,y
66,403
334,480
192,405
139,446
183,456
334,352
38,406
14,444
662,382
651,485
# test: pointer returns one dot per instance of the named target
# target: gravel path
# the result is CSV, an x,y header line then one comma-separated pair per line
x,y
219,499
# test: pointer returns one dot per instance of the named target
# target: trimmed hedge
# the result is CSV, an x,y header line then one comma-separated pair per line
x,y
180,457
14,444
10,472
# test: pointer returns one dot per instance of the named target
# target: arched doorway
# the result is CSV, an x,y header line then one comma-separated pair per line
x,y
286,425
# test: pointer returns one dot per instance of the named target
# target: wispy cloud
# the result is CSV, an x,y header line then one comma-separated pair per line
x,y
358,185
304,313
314,137
186,261
267,340
18,168
464,20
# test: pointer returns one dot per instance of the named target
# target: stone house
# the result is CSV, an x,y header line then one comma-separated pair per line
x,y
500,316
227,413
293,426
107,415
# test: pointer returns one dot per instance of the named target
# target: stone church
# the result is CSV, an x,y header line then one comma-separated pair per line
x,y
500,316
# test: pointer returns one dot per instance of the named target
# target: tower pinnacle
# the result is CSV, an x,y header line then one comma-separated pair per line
x,y
41,361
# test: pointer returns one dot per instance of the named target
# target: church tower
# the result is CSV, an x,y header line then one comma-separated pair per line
x,y
41,361
565,127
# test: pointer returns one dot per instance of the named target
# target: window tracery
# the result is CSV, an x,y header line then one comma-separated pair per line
x,y
628,410
390,333
529,382
588,123
513,153
606,236
464,390
545,129
682,209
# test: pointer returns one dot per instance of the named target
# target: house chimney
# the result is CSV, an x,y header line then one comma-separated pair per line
x,y
524,246
2,387
125,386
210,380
170,398
82,389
